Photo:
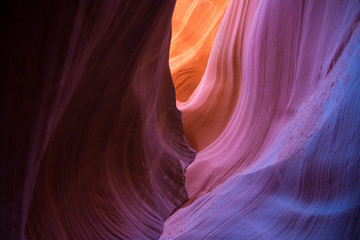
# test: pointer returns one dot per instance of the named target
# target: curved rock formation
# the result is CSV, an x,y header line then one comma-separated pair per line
x,y
93,145
92,136
284,163
210,107
195,24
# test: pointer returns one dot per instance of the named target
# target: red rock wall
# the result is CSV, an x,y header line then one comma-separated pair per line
x,y
93,144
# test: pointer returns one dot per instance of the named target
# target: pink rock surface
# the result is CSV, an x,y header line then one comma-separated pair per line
x,y
276,120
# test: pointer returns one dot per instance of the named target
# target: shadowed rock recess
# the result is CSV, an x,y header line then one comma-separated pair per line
x,y
93,144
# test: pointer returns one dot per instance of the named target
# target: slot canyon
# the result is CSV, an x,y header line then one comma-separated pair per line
x,y
180,119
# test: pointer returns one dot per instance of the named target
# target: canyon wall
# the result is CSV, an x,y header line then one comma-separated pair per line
x,y
92,143
276,121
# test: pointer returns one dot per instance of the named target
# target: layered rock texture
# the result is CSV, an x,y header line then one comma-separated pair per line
x,y
195,24
93,143
275,119
94,146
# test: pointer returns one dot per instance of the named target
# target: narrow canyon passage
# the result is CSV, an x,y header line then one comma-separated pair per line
x,y
204,119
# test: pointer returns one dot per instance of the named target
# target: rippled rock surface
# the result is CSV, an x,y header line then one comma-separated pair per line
x,y
276,121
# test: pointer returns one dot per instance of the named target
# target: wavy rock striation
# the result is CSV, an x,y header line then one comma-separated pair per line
x,y
92,136
211,106
92,142
276,121
195,24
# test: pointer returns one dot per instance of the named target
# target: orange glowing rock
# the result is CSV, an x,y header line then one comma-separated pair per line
x,y
194,27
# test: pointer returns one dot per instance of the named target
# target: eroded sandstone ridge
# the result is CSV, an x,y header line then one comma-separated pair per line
x,y
275,119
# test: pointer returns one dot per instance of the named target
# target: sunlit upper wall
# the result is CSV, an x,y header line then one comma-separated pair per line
x,y
194,27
